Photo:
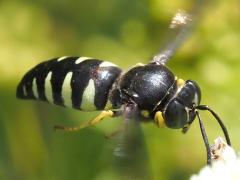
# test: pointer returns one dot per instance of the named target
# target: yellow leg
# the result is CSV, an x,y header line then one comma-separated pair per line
x,y
158,118
93,122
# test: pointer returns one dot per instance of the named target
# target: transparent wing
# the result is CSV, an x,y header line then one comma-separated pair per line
x,y
130,157
181,26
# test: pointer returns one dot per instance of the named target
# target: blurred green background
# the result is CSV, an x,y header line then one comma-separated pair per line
x,y
125,32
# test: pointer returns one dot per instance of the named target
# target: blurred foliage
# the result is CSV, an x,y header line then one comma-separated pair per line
x,y
125,32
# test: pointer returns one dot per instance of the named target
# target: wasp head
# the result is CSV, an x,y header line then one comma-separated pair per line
x,y
179,112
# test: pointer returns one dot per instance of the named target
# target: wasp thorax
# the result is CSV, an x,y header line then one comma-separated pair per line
x,y
146,85
180,112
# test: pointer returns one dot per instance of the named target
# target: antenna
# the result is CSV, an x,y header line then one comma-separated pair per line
x,y
203,132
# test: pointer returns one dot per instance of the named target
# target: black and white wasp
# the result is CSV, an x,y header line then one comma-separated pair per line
x,y
150,92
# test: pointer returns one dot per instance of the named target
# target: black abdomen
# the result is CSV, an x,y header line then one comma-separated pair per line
x,y
78,82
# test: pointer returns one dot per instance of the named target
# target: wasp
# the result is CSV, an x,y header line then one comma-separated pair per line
x,y
149,91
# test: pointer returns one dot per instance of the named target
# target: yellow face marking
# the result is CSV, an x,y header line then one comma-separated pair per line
x,y
48,88
88,97
67,90
34,88
158,118
180,82
145,113
107,64
81,59
62,58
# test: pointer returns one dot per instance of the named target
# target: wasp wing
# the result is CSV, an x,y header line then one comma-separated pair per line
x,y
130,157
180,26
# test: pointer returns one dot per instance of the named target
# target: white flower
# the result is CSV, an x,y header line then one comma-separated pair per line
x,y
225,164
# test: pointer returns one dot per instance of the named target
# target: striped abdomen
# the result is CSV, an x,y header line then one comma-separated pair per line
x,y
78,82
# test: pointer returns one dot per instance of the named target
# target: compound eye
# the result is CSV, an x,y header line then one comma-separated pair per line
x,y
176,115
190,94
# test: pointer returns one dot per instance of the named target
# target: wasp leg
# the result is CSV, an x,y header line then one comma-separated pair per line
x,y
159,120
93,122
